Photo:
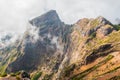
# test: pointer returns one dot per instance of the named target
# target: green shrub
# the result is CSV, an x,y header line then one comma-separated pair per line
x,y
18,73
18,78
117,27
3,75
36,76
93,35
12,74
68,70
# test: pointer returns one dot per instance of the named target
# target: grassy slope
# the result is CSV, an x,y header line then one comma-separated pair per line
x,y
113,39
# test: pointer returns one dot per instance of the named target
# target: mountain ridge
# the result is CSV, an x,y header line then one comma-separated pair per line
x,y
64,52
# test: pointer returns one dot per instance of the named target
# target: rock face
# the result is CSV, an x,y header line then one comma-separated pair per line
x,y
84,31
92,44
42,41
59,51
48,18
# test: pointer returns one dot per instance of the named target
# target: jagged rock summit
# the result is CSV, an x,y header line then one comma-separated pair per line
x,y
42,43
47,18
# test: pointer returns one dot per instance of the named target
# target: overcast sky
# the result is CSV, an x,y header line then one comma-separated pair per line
x,y
14,14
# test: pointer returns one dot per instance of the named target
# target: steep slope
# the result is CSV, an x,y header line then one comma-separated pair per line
x,y
94,50
42,43
42,47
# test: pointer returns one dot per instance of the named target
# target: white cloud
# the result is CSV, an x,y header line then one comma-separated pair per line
x,y
8,38
14,14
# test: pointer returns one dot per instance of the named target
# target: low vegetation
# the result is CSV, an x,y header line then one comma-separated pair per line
x,y
37,76
12,74
115,78
48,77
94,23
68,70
112,70
3,74
18,78
117,27
86,72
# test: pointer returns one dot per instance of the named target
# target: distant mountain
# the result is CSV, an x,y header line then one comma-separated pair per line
x,y
53,50
4,39
7,39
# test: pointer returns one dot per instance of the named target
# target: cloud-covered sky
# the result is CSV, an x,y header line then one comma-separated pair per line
x,y
14,14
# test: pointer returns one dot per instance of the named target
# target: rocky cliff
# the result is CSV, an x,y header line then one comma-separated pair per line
x,y
53,50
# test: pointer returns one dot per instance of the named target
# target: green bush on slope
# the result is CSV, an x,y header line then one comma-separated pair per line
x,y
3,74
69,69
36,76
48,77
117,27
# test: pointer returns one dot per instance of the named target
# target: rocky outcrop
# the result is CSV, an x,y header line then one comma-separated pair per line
x,y
100,25
48,18
43,45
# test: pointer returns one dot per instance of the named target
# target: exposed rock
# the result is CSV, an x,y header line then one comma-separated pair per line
x,y
103,50
104,31
89,26
48,18
45,38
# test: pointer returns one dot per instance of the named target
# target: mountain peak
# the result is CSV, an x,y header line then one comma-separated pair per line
x,y
47,18
103,20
